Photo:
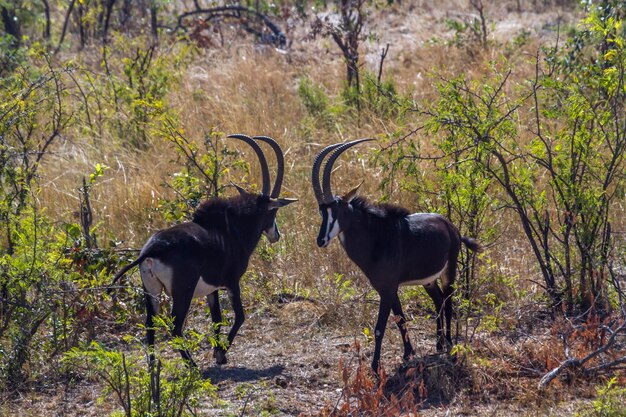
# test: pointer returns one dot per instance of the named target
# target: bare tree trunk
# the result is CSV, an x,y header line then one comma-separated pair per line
x,y
127,8
81,25
153,20
46,11
65,23
478,5
107,19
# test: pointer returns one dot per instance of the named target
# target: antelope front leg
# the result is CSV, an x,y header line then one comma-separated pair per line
x,y
219,352
383,315
235,298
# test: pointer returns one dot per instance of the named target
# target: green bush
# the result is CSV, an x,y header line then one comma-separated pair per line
x,y
204,166
611,400
162,389
562,176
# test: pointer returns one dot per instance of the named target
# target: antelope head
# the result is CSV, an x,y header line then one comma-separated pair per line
x,y
267,203
335,210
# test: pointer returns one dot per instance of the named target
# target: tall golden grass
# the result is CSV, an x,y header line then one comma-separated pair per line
x,y
253,90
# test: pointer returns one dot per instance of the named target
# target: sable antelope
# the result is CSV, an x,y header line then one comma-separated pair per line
x,y
392,247
210,253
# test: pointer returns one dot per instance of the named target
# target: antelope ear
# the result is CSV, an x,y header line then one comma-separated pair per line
x,y
351,194
241,190
276,203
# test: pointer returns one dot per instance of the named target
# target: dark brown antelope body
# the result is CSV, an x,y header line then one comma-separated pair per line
x,y
393,248
209,253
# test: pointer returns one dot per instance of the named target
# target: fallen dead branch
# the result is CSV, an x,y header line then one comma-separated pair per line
x,y
578,365
250,20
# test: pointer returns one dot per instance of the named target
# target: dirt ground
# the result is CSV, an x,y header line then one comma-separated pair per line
x,y
263,377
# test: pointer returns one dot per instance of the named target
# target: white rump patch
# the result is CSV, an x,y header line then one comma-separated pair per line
x,y
157,276
427,280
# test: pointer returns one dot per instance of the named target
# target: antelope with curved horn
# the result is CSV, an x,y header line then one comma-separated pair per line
x,y
392,247
210,253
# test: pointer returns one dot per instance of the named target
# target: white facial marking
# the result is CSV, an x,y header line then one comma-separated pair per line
x,y
330,234
427,280
272,233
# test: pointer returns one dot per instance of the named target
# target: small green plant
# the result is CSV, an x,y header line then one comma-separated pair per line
x,y
471,31
322,110
379,97
344,287
163,389
611,400
205,164
313,97
84,232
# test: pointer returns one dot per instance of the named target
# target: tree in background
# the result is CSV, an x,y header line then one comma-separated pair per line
x,y
553,153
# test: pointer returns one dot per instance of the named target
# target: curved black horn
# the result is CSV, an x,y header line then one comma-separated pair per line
x,y
265,172
315,175
280,162
327,190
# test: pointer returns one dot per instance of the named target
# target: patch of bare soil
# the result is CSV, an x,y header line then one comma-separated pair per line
x,y
285,362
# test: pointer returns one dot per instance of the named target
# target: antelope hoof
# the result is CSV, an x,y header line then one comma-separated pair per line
x,y
220,356
442,346
375,371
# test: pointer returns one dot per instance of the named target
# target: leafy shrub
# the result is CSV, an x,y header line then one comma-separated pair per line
x,y
10,55
379,97
561,180
313,97
320,108
44,312
204,165
611,399
39,311
164,389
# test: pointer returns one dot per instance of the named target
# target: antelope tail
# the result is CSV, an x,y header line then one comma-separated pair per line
x,y
122,271
472,244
